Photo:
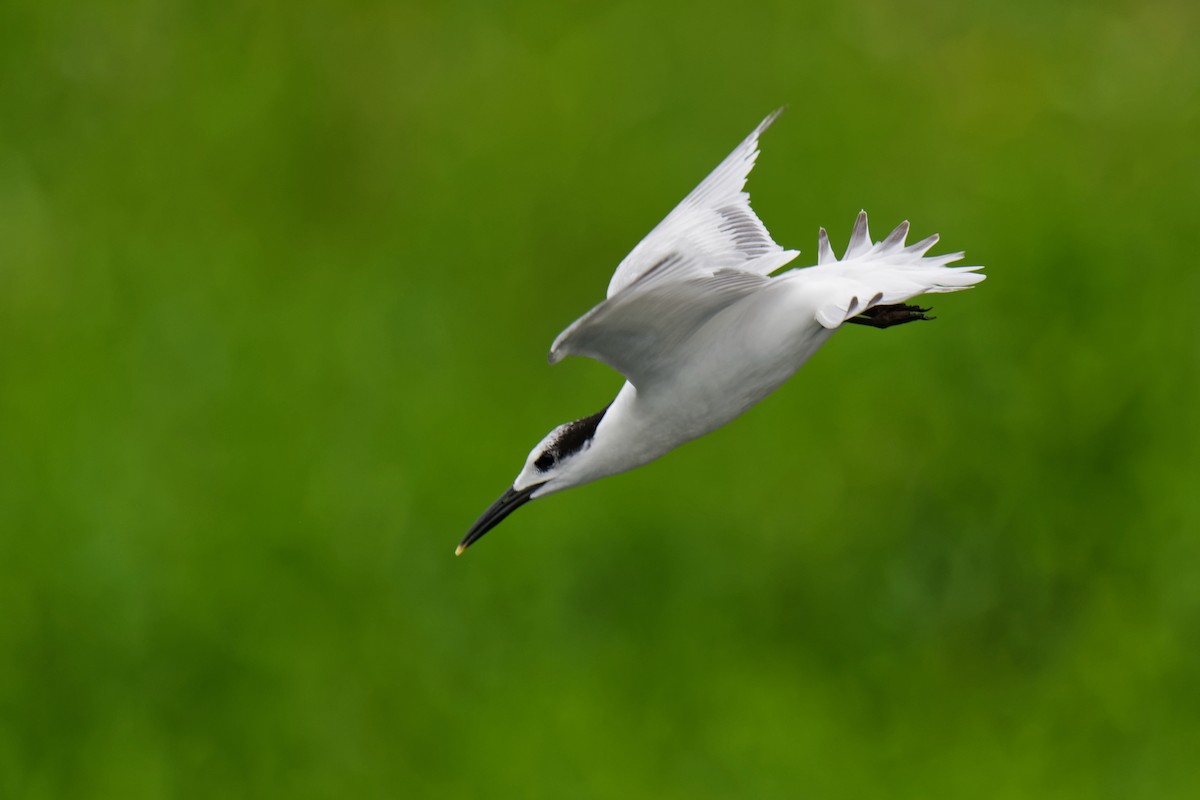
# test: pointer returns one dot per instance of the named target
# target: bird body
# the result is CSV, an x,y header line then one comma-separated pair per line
x,y
702,332
744,353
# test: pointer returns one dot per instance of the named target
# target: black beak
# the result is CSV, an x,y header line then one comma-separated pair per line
x,y
509,502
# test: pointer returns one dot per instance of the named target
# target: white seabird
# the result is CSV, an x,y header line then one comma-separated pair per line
x,y
702,331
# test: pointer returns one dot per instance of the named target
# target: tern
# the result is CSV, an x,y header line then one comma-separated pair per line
x,y
701,329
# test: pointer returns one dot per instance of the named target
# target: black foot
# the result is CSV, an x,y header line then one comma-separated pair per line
x,y
887,316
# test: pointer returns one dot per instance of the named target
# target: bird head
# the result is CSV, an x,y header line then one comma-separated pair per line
x,y
559,461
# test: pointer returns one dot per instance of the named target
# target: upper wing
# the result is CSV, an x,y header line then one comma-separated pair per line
x,y
712,229
639,331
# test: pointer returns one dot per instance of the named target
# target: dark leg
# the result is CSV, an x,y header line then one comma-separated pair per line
x,y
887,316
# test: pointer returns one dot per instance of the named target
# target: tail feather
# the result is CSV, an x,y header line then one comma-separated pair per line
x,y
886,272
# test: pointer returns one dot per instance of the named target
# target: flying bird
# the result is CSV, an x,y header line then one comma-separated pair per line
x,y
702,331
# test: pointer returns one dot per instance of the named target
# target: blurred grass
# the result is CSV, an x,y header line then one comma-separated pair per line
x,y
276,281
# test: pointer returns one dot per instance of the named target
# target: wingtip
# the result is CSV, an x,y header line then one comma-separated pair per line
x,y
770,118
924,246
860,236
824,249
897,236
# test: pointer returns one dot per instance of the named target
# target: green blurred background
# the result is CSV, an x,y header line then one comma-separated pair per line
x,y
277,281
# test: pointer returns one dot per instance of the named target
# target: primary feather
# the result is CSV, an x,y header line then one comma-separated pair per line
x,y
883,273
713,228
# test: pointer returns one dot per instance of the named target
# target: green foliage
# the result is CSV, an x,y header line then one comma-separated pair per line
x,y
276,282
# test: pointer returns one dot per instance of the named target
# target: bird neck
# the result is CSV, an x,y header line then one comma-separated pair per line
x,y
627,436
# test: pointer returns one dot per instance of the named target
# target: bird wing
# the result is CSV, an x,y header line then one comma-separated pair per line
x,y
712,229
639,330
880,273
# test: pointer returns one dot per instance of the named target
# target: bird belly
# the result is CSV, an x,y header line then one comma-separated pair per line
x,y
742,355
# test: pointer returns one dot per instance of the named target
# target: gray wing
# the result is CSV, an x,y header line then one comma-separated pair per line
x,y
712,229
641,332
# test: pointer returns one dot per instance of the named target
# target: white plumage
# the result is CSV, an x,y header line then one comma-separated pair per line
x,y
701,331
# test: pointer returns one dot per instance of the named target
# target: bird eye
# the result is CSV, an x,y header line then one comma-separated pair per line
x,y
544,462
